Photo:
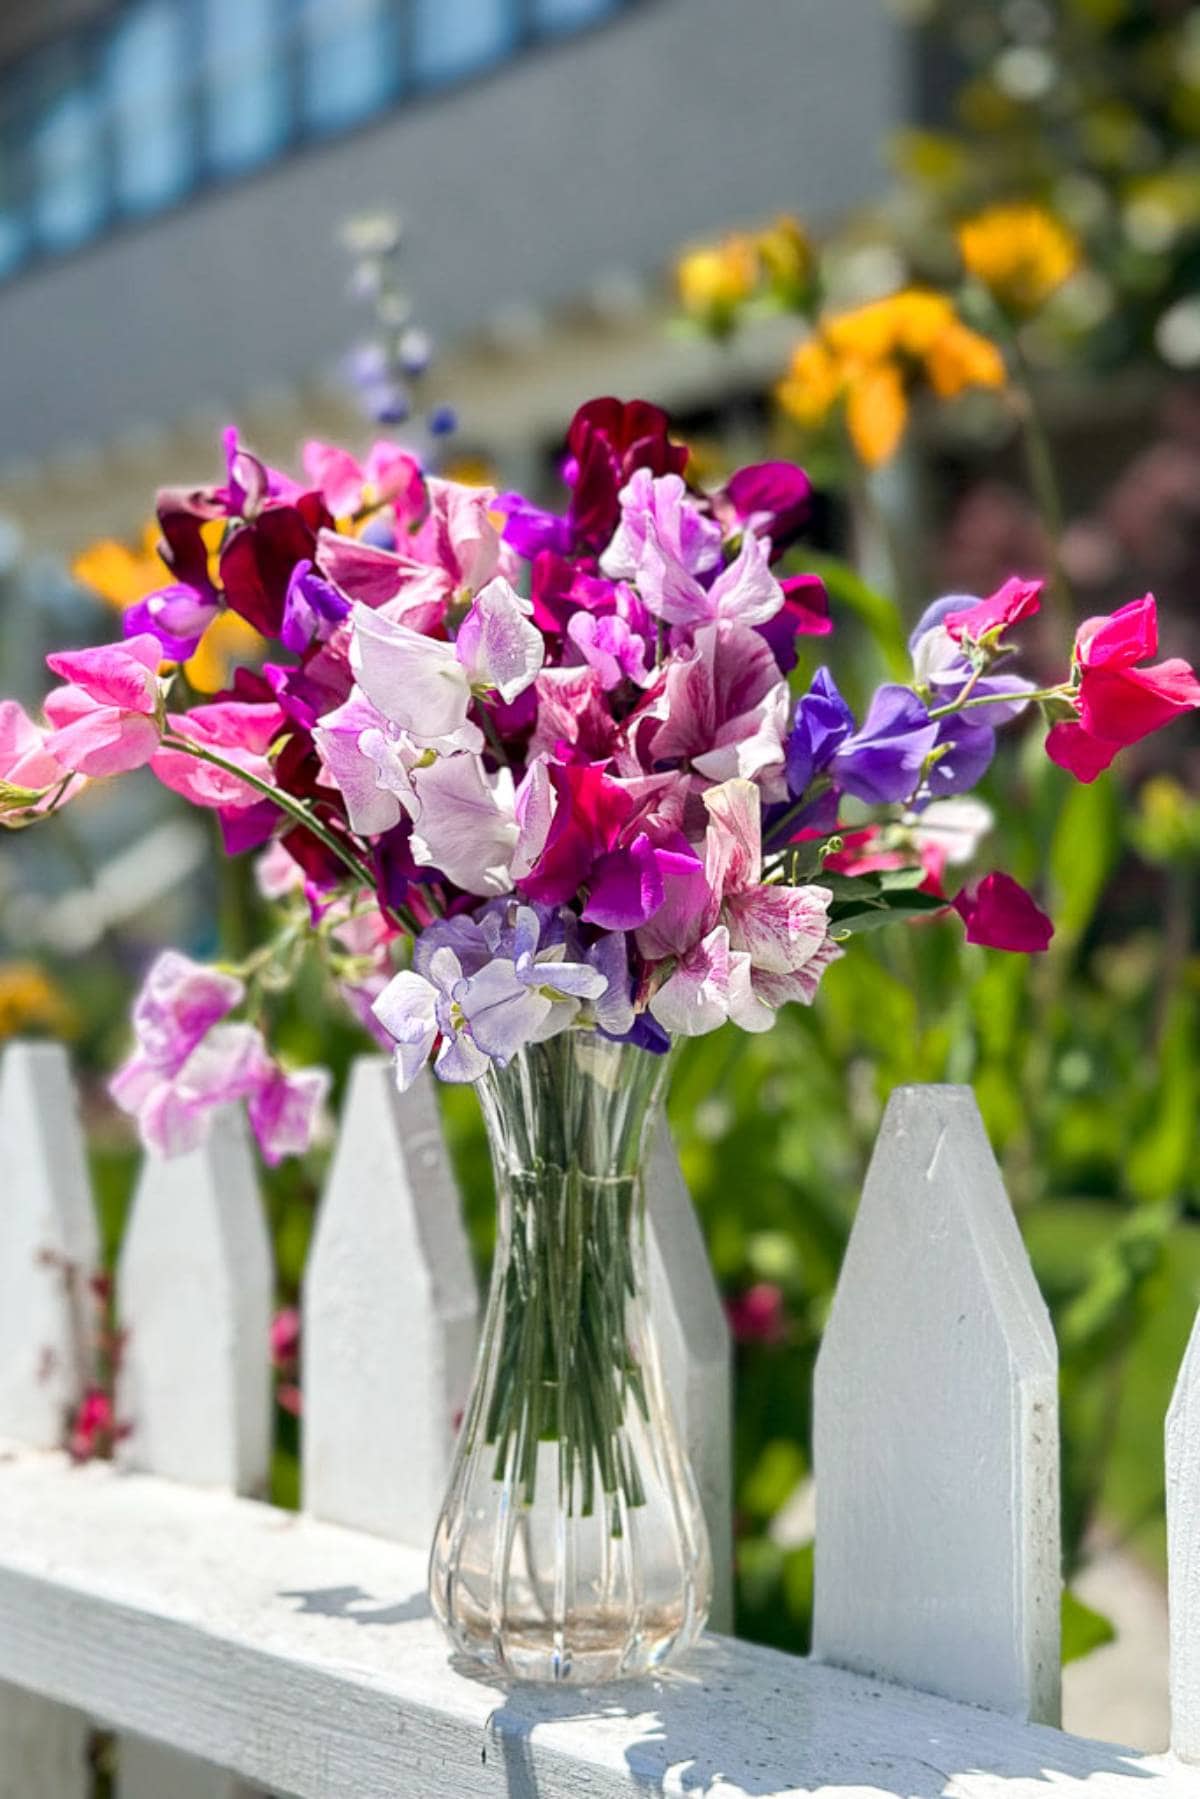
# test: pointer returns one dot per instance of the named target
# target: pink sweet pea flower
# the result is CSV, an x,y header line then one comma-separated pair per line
x,y
999,914
25,761
389,474
724,709
241,732
1118,702
105,720
1015,601
746,592
285,1110
741,943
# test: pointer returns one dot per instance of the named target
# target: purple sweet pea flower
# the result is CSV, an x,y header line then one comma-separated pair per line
x,y
773,498
970,746
530,529
178,616
882,761
820,725
312,607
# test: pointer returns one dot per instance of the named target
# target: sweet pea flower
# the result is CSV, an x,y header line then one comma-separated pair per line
x,y
883,760
464,822
746,592
312,607
177,616
772,499
370,761
389,475
105,721
682,531
1118,702
821,723
497,645
611,648
999,914
474,1007
416,682
723,706
189,1062
241,732
1009,605
743,946
26,764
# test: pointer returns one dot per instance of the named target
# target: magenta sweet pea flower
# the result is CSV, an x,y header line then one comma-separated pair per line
x,y
1120,703
105,720
177,616
773,499
285,1111
999,914
241,732
1009,605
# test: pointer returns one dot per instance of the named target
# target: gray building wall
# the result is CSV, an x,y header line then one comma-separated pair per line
x,y
595,156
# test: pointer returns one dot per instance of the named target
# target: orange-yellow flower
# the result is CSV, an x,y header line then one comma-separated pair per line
x,y
29,1000
120,574
1021,253
870,360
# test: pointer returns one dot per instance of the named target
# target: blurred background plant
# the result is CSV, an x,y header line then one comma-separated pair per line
x,y
932,351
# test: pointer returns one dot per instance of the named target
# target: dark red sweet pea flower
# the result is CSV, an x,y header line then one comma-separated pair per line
x,y
1118,702
182,512
999,914
260,555
606,441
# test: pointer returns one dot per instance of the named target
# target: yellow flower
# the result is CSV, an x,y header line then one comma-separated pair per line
x,y
119,574
715,278
1021,253
228,643
29,1000
871,359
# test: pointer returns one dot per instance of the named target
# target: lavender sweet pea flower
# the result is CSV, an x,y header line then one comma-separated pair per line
x,y
661,507
882,761
969,747
820,725
497,644
178,616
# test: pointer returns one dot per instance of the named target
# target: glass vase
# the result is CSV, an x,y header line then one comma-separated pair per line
x,y
571,1545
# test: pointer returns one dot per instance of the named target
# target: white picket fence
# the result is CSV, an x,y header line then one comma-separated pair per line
x,y
235,1649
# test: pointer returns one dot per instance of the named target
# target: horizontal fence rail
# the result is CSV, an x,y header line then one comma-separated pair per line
x,y
227,1643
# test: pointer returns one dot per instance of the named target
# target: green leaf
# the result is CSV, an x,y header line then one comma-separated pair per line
x,y
1082,854
869,914
1082,1628
880,615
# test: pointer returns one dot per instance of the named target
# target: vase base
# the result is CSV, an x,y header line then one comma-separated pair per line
x,y
589,1652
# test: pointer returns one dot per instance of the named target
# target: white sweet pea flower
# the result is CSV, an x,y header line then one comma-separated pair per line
x,y
497,644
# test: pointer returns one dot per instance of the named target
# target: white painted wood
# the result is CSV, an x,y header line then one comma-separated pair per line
x,y
48,1247
694,1342
148,1770
43,1748
936,1428
195,1292
303,1656
390,1316
1183,1552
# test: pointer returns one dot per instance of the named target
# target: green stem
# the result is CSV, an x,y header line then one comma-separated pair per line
x,y
1062,691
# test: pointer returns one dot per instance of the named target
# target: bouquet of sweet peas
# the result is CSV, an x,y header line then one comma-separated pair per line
x,y
519,772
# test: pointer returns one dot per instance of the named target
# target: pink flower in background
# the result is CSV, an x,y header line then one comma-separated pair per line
x,y
105,720
285,1359
999,914
1120,703
94,1429
758,1315
189,1062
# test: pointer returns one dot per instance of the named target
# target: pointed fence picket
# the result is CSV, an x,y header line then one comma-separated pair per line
x,y
390,1316
194,1289
936,1428
226,1643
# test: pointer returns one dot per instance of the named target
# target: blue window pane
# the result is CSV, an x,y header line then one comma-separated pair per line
x,y
245,83
456,37
148,77
350,53
66,174
571,15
